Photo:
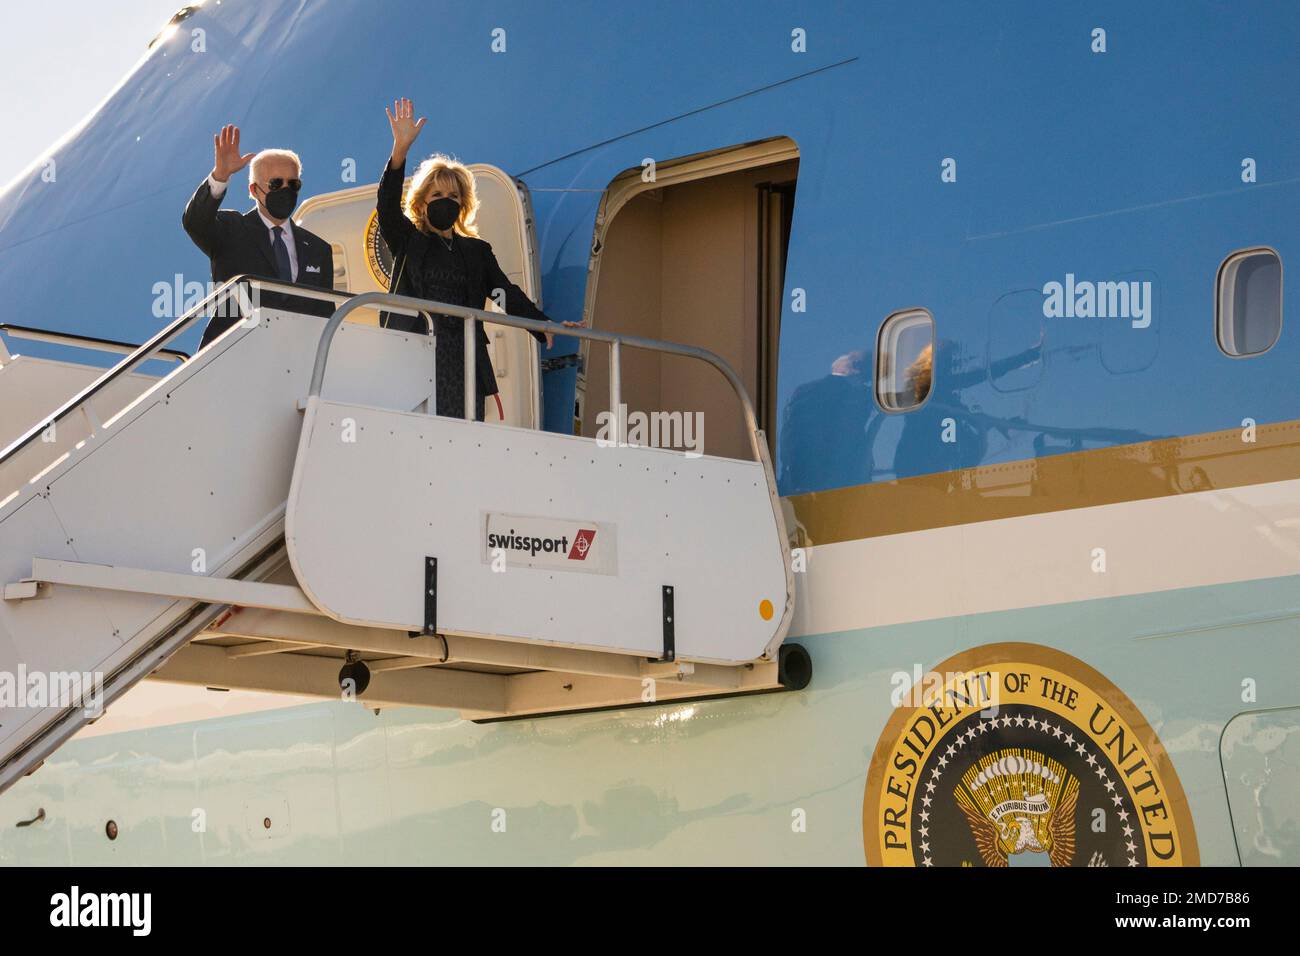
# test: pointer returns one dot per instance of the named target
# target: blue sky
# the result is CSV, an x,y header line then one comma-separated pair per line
x,y
58,60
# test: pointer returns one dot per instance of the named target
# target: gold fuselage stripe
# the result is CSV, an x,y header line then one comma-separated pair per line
x,y
1082,479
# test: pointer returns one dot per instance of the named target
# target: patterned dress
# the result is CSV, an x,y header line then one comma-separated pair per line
x,y
443,278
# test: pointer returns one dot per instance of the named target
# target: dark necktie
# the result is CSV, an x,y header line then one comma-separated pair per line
x,y
282,267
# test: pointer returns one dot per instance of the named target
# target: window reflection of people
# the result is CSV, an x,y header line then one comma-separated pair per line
x,y
824,443
921,447
831,426
437,255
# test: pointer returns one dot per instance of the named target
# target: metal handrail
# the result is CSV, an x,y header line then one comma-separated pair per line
x,y
155,344
615,341
84,341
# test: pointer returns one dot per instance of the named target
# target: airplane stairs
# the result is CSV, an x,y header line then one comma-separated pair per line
x,y
282,513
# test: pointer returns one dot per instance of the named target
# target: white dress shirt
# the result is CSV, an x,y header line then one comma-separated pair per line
x,y
218,189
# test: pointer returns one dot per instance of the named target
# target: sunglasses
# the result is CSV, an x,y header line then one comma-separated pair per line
x,y
278,183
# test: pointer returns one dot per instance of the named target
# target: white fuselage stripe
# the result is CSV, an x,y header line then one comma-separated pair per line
x,y
1137,547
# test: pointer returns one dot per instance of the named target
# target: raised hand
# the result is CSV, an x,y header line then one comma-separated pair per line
x,y
405,127
225,146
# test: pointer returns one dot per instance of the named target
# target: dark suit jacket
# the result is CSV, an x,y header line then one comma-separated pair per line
x,y
238,244
408,245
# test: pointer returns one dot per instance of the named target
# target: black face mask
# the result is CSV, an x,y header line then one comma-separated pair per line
x,y
280,203
441,213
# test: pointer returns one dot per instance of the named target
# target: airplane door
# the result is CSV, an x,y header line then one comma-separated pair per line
x,y
505,219
362,263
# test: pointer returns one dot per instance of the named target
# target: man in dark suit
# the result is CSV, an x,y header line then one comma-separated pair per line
x,y
263,241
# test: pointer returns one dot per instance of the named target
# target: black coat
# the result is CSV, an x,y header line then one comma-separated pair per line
x,y
484,275
238,244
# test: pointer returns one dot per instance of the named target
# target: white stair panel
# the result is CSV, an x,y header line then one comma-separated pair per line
x,y
705,526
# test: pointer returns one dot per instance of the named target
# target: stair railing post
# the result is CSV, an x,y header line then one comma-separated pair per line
x,y
616,388
471,371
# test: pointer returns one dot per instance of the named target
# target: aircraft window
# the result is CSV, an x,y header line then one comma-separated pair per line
x,y
1249,307
904,360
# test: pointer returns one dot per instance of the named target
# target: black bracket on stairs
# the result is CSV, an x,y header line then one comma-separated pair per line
x,y
670,650
430,597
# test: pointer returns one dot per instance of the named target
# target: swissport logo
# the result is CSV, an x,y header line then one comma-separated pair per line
x,y
582,544
533,541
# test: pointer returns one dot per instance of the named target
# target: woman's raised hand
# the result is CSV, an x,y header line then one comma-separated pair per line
x,y
405,128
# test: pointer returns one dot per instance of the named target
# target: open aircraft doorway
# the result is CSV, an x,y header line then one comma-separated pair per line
x,y
697,255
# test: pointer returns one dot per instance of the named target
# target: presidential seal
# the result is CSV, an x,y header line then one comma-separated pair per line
x,y
1021,755
379,258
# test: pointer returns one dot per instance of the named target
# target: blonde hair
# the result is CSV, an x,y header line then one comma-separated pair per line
x,y
442,170
272,154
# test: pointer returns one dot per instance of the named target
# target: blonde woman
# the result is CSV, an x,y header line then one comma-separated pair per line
x,y
437,255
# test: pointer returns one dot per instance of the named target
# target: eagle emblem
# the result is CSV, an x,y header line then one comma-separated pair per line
x,y
1019,801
